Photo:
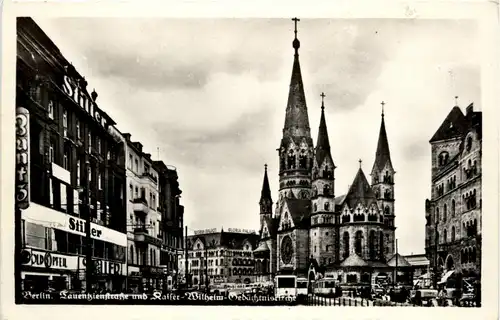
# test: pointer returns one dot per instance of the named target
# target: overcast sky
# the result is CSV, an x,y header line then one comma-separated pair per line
x,y
211,94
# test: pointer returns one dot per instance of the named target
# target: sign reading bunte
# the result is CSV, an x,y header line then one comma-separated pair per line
x,y
22,158
85,102
54,219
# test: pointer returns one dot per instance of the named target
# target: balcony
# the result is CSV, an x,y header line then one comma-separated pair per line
x,y
141,235
140,206
150,176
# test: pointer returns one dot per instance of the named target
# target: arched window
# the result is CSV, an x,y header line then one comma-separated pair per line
x,y
445,212
303,160
381,244
371,244
453,207
473,255
452,234
445,236
358,243
131,254
315,207
326,190
291,160
327,206
437,215
345,240
387,210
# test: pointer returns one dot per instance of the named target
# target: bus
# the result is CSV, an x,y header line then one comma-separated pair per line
x,y
326,287
302,286
285,286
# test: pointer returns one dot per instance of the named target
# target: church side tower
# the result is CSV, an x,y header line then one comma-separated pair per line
x,y
296,148
383,186
323,235
266,202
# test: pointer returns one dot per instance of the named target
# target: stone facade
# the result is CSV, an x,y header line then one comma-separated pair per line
x,y
453,228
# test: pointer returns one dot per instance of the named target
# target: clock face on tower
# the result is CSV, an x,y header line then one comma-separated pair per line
x,y
286,250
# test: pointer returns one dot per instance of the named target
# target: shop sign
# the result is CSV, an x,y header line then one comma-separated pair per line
x,y
152,270
22,158
106,267
83,100
48,260
205,231
54,219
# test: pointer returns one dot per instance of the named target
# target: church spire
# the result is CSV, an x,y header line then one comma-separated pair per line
x,y
383,154
266,190
323,143
266,202
296,119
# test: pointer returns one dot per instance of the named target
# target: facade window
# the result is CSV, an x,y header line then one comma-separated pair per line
x,y
130,161
327,206
50,109
66,160
65,123
90,142
469,143
445,236
78,129
437,215
99,145
452,234
136,192
453,207
99,181
358,244
78,172
136,165
346,244
131,190
445,212
51,152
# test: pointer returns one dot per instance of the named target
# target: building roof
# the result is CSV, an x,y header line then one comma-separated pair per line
x,y
383,154
353,260
266,190
401,261
417,260
360,192
299,210
323,143
263,247
296,117
230,240
453,126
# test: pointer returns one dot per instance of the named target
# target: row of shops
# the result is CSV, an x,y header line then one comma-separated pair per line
x,y
48,271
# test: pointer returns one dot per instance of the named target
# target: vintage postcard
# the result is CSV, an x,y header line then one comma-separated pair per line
x,y
284,161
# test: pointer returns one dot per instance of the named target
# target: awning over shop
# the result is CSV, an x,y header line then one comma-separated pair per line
x,y
446,276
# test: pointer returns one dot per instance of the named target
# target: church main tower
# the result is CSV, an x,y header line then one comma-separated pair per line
x,y
296,148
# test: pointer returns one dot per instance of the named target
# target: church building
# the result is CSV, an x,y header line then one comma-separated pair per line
x,y
314,232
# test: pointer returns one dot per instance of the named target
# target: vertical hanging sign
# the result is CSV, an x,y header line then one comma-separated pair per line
x,y
22,158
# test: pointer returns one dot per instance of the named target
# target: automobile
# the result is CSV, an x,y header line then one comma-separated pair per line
x,y
378,289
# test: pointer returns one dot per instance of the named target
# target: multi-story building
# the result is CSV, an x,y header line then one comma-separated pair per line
x,y
219,257
172,218
70,168
453,214
144,226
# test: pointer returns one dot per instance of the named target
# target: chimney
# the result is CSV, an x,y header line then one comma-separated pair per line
x,y
127,136
469,109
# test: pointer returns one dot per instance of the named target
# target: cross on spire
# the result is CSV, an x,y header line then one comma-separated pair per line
x,y
456,101
295,20
322,100
265,166
383,104
360,161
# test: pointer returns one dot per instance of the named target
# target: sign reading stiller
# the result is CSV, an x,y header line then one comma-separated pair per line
x,y
54,219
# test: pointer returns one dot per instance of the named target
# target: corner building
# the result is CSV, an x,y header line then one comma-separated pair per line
x,y
454,212
312,232
70,164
